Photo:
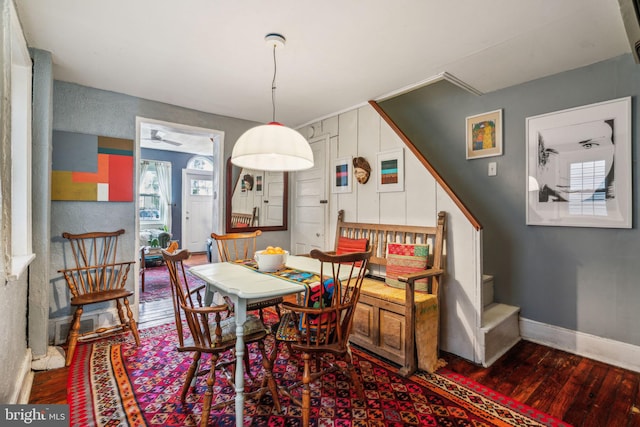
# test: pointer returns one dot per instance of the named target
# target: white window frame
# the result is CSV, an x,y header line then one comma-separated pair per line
x,y
192,161
17,244
161,221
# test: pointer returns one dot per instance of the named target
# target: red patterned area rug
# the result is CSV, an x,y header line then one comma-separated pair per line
x,y
114,383
157,285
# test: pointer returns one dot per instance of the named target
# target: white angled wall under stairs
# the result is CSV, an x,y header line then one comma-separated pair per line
x,y
500,325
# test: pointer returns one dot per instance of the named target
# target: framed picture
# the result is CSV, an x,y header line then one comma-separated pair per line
x,y
390,171
484,135
259,185
579,166
341,170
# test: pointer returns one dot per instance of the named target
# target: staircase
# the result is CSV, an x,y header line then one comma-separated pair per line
x,y
500,329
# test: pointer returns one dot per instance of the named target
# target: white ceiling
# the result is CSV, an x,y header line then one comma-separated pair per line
x,y
210,55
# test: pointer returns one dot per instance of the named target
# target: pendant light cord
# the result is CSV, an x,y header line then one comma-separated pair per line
x,y
273,85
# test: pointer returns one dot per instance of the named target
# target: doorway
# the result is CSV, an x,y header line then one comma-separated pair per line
x,y
310,203
177,144
197,204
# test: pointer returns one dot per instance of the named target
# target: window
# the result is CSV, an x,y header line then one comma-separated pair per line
x,y
200,163
201,187
17,187
155,193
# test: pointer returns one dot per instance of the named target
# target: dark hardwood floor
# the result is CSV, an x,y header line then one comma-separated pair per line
x,y
579,391
582,392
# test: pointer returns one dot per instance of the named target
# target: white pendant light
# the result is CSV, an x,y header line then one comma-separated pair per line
x,y
272,147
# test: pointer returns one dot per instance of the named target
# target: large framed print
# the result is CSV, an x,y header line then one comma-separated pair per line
x,y
579,166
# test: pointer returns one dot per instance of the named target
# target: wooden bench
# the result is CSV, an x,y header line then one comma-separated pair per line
x,y
393,322
241,219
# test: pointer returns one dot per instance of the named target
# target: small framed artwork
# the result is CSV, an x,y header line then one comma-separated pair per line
x,y
259,185
341,170
579,166
390,171
484,135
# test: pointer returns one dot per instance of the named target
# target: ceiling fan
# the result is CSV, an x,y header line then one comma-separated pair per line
x,y
158,136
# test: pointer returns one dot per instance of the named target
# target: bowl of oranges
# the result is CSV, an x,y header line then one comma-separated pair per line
x,y
271,259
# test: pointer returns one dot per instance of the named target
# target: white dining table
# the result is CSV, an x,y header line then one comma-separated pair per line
x,y
242,284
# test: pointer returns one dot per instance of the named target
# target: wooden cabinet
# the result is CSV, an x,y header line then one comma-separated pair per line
x,y
378,326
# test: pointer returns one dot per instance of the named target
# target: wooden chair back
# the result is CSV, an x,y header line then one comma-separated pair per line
x,y
234,246
96,269
96,278
324,324
196,316
212,334
326,317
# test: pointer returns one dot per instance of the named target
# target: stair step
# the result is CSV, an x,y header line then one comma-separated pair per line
x,y
495,313
499,332
487,290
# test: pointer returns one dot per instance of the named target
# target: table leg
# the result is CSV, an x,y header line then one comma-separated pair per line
x,y
241,317
208,296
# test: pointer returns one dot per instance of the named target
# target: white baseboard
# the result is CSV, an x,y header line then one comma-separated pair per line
x,y
24,380
605,350
99,319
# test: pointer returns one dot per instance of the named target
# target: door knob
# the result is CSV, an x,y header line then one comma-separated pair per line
x,y
317,234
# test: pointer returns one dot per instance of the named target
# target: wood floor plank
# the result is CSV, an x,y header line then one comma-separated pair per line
x,y
578,412
532,382
49,387
520,366
615,393
549,393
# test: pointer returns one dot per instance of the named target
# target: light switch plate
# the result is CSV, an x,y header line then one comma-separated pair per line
x,y
492,169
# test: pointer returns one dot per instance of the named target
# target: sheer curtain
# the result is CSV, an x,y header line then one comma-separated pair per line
x,y
164,182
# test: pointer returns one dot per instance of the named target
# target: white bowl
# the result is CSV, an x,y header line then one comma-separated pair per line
x,y
270,262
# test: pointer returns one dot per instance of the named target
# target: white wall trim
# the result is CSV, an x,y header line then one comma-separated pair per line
x,y
24,380
605,350
101,319
429,81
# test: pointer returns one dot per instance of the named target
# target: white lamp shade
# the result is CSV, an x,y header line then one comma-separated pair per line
x,y
272,147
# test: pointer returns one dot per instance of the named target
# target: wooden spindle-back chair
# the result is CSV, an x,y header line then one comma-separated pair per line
x,y
97,277
236,246
211,333
322,325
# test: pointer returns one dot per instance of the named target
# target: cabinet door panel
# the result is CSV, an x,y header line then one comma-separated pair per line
x,y
392,332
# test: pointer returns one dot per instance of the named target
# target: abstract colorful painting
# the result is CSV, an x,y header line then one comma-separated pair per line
x,y
341,175
390,171
91,168
484,135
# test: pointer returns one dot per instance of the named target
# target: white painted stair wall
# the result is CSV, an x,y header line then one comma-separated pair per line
x,y
467,328
499,329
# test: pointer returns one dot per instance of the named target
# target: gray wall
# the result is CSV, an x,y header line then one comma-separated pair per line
x,y
41,201
583,279
87,110
13,295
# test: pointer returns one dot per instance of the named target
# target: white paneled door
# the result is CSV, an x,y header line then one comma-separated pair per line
x,y
310,202
197,212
